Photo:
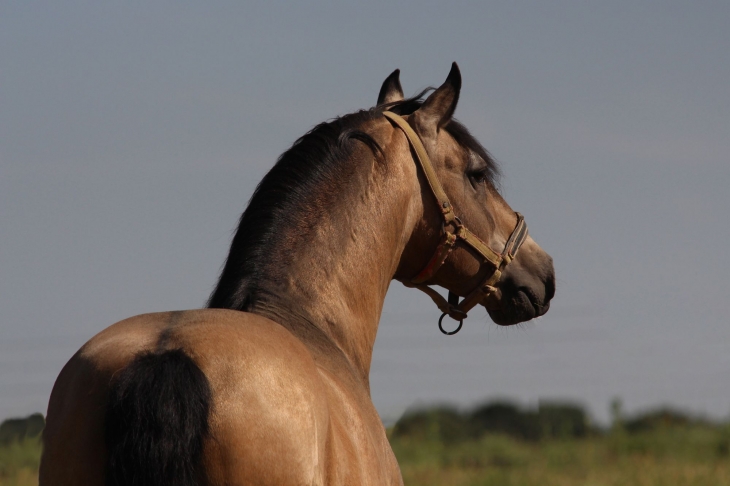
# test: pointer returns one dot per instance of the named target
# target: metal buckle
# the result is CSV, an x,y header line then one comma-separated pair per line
x,y
441,328
456,223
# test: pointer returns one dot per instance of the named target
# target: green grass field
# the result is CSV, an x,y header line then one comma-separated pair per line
x,y
19,462
674,455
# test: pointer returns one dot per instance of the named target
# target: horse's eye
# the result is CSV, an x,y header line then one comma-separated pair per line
x,y
479,176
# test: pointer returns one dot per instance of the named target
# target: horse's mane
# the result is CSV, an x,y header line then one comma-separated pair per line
x,y
303,184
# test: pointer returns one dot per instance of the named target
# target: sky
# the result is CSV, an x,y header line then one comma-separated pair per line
x,y
132,135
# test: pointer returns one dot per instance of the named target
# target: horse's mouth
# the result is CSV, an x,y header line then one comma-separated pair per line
x,y
521,306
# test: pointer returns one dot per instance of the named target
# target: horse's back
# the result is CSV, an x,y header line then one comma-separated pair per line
x,y
250,363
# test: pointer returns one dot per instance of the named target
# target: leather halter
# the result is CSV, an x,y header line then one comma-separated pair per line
x,y
453,308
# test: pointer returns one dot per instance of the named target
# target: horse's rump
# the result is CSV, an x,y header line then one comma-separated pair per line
x,y
157,421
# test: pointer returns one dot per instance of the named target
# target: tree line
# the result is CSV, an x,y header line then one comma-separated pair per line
x,y
549,420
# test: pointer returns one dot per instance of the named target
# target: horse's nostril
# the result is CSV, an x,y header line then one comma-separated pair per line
x,y
550,287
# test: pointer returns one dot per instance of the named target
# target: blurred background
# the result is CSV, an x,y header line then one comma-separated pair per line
x,y
133,134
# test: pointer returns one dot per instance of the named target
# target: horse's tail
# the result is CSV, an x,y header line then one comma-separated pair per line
x,y
157,421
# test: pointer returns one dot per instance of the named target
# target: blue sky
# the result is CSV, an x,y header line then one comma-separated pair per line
x,y
132,135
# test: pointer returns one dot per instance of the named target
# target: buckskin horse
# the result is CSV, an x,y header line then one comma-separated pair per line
x,y
269,384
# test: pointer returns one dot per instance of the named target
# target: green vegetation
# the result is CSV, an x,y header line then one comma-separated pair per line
x,y
555,445
20,450
549,421
672,457
19,463
503,444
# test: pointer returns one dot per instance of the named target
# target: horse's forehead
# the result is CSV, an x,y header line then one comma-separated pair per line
x,y
453,153
446,147
381,129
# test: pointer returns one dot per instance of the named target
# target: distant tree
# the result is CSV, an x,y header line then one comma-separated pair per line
x,y
562,421
504,417
17,429
551,420
664,417
444,423
617,419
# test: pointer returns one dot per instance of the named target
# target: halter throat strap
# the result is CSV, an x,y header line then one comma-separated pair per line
x,y
452,307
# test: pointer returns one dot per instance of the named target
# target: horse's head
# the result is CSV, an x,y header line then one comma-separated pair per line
x,y
468,239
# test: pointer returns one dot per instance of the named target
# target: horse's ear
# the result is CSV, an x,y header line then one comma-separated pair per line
x,y
391,90
438,108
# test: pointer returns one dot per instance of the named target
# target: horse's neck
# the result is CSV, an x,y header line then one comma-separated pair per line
x,y
337,282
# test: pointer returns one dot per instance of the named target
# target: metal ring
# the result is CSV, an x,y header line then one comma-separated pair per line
x,y
452,332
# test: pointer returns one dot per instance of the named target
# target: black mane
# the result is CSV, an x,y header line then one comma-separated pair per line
x,y
303,184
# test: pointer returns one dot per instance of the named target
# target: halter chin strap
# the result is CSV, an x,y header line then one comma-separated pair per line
x,y
452,307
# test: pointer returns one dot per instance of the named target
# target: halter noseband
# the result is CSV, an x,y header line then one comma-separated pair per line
x,y
453,308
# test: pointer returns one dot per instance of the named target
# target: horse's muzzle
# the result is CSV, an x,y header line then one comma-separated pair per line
x,y
520,301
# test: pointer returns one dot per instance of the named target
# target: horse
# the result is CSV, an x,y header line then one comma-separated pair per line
x,y
269,383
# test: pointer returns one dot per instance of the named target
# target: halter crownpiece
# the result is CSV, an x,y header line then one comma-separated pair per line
x,y
452,307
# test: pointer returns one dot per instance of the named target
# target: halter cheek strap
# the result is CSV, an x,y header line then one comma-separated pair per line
x,y
452,307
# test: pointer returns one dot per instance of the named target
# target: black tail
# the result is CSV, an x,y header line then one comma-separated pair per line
x,y
157,422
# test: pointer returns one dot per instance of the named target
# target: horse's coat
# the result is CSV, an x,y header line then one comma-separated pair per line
x,y
285,349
